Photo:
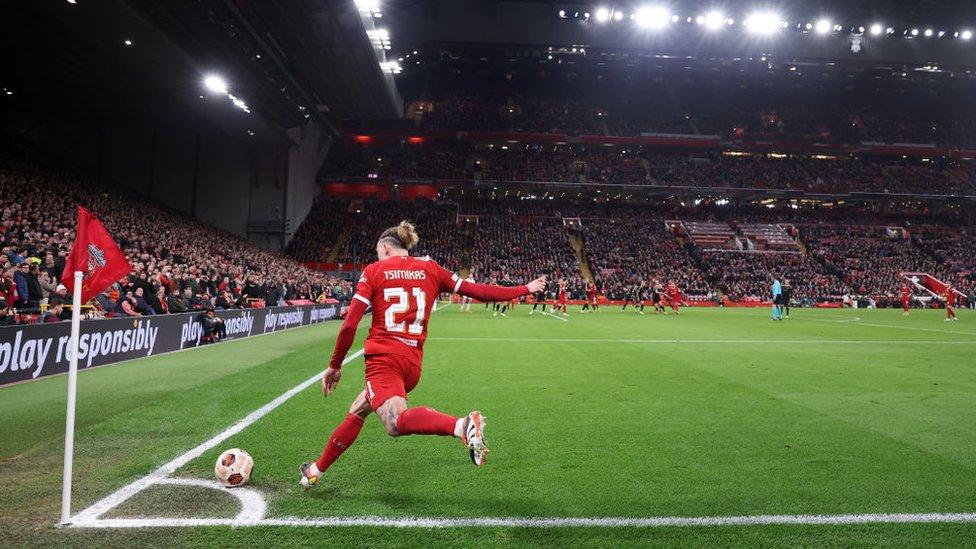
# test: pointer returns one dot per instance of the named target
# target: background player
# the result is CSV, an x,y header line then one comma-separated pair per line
x,y
505,282
542,296
465,300
674,297
658,298
785,298
591,297
563,297
906,299
402,290
635,296
950,301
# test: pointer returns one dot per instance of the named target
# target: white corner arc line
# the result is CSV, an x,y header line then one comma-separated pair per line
x,y
107,503
253,506
543,522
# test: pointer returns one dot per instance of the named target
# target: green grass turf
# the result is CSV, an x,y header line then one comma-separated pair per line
x,y
716,412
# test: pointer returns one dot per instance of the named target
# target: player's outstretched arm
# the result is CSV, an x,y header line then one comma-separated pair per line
x,y
347,334
487,292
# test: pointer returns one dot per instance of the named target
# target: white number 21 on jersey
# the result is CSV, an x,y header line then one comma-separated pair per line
x,y
400,303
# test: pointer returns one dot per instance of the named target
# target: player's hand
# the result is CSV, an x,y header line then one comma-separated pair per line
x,y
537,285
330,379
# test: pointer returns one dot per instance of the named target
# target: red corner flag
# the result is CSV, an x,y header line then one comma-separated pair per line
x,y
95,254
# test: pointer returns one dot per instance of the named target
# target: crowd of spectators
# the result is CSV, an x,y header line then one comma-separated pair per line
x,y
748,276
582,101
872,258
636,165
178,263
627,242
630,250
523,248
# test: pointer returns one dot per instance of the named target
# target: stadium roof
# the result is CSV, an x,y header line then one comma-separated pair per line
x,y
283,63
889,31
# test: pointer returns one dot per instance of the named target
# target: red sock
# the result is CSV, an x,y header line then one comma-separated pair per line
x,y
342,438
425,421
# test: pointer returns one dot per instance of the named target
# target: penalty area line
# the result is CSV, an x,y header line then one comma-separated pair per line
x,y
99,508
543,522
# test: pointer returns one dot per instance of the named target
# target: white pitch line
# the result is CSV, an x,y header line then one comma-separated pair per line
x,y
554,315
253,506
544,522
917,328
704,341
104,505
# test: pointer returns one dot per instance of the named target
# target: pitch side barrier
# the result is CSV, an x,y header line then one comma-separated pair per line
x,y
39,350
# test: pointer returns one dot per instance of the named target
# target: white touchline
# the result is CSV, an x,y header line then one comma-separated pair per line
x,y
101,507
703,341
540,522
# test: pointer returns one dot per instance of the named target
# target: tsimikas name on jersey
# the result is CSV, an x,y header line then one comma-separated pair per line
x,y
402,274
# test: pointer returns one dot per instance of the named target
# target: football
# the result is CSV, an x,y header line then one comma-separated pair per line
x,y
233,467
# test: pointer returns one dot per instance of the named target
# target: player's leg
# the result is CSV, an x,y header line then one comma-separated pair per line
x,y
341,439
399,420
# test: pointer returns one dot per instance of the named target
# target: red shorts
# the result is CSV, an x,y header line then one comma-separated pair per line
x,y
389,375
563,298
591,298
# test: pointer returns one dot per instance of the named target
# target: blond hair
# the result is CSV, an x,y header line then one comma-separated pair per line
x,y
403,235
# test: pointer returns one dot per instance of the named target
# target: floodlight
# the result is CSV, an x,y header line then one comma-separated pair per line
x,y
652,17
823,26
215,83
602,14
876,29
714,20
763,22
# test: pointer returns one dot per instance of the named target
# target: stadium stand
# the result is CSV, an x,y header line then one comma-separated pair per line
x,y
178,263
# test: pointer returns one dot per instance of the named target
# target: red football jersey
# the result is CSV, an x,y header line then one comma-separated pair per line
x,y
905,293
402,291
951,298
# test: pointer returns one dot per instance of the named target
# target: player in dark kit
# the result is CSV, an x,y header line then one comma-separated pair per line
x,y
786,296
543,296
658,298
506,282
635,296
402,291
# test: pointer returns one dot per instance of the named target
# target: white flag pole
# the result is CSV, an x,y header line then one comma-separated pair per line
x,y
69,423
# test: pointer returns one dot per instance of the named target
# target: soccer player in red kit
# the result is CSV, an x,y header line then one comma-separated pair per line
x,y
906,297
402,291
591,297
950,299
563,298
674,297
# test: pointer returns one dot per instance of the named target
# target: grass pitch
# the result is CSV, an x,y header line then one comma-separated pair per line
x,y
714,413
